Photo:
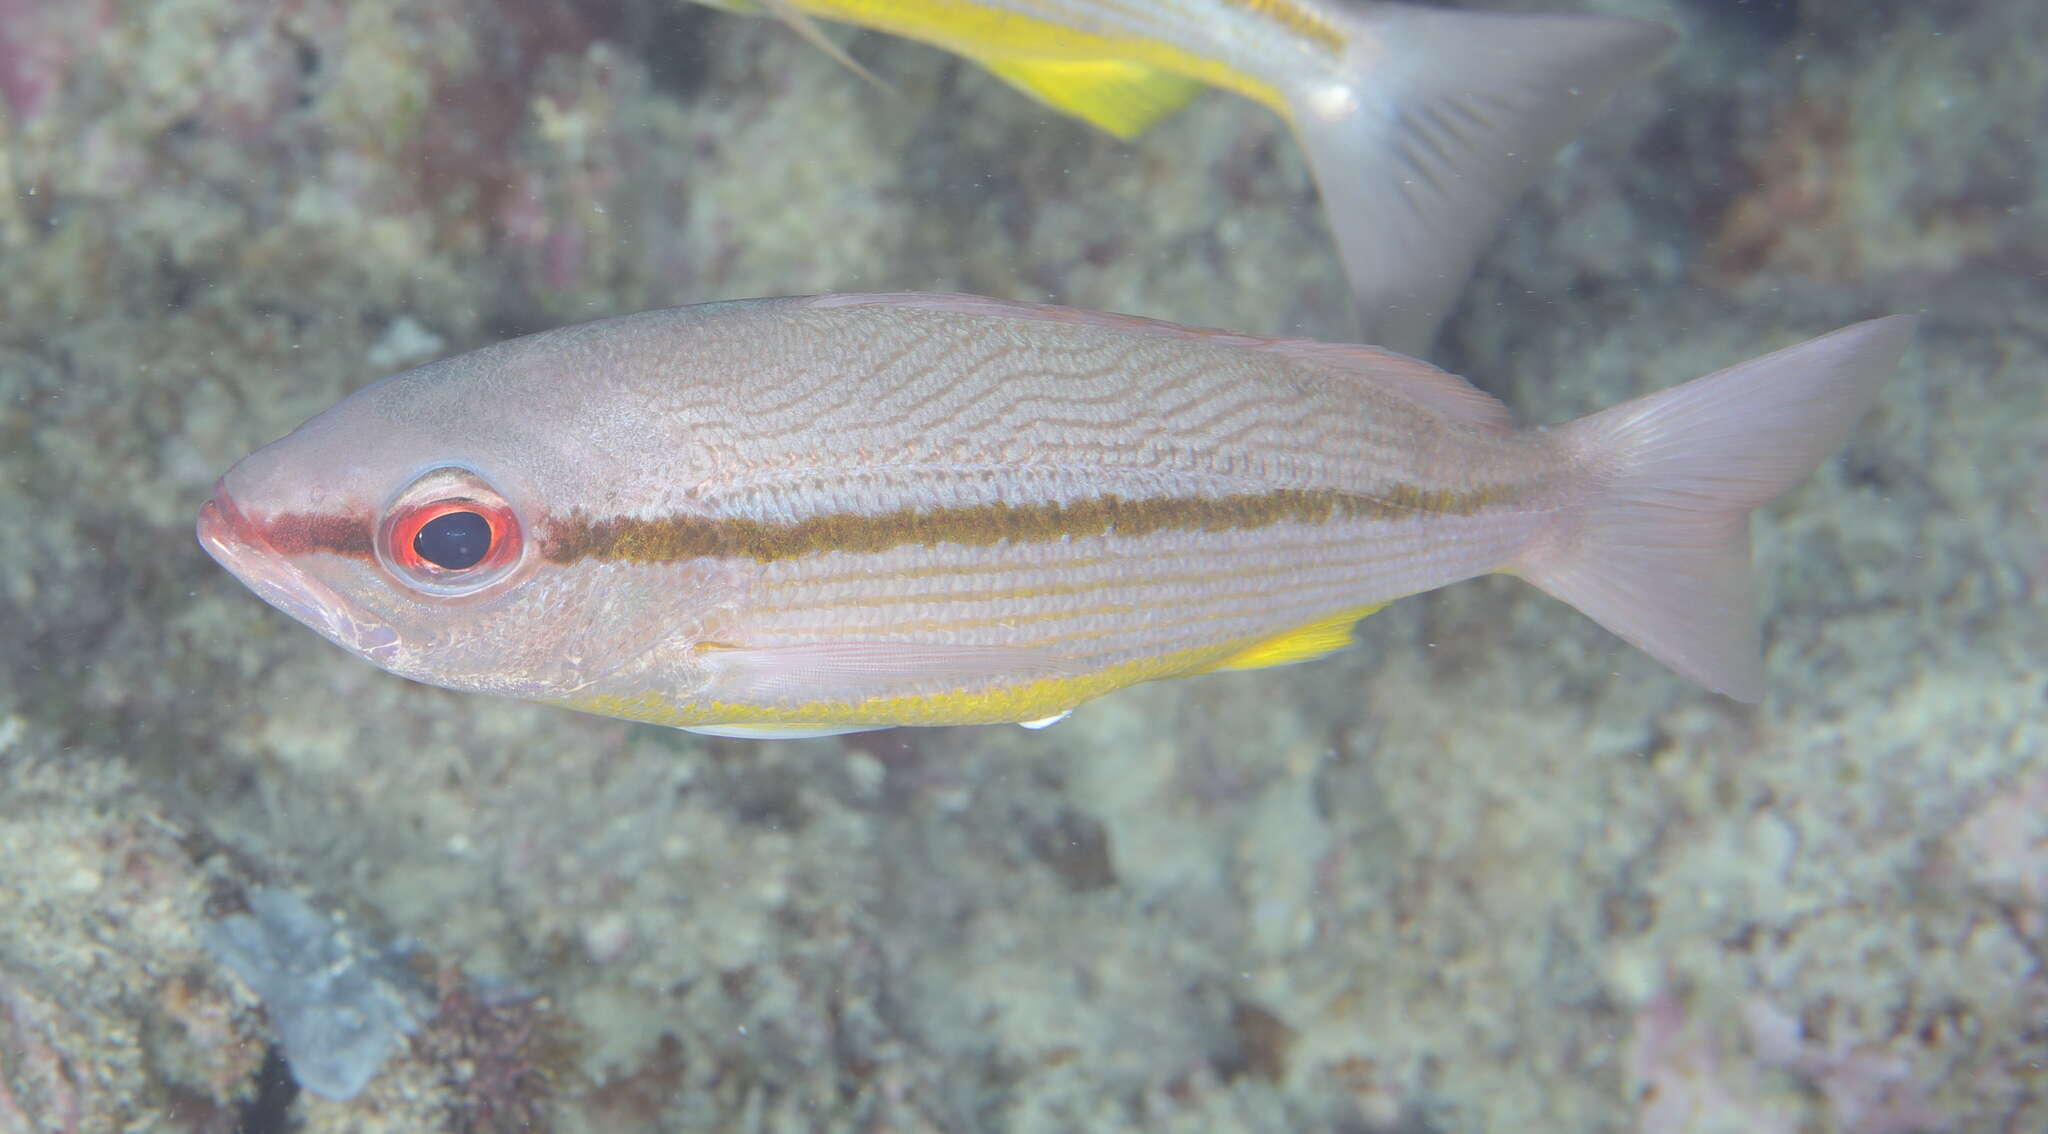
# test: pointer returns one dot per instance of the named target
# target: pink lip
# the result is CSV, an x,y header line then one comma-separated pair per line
x,y
222,524
238,544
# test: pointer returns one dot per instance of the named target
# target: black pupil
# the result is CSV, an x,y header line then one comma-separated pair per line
x,y
453,540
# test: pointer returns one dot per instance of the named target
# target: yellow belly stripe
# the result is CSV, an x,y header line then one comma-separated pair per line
x,y
1028,701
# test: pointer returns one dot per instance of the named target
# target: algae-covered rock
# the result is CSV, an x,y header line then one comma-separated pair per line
x,y
1490,870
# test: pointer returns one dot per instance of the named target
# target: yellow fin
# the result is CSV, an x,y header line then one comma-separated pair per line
x,y
1122,98
1304,644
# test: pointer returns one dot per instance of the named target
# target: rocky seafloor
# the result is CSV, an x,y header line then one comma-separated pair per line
x,y
1490,870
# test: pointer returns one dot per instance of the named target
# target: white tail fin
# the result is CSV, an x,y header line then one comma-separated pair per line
x,y
1659,553
1442,119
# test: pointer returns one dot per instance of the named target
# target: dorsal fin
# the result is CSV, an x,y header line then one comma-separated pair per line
x,y
1433,386
1440,390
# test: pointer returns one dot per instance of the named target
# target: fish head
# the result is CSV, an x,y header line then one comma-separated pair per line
x,y
411,524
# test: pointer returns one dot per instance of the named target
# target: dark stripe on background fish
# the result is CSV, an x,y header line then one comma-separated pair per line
x,y
1296,18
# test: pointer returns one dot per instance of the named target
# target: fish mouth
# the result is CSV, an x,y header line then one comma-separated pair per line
x,y
238,544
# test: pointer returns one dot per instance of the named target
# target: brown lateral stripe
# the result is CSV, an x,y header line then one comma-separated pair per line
x,y
675,538
301,533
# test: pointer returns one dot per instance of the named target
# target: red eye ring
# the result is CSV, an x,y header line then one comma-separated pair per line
x,y
451,535
402,529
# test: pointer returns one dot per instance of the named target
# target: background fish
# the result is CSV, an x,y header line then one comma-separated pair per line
x,y
800,516
1420,124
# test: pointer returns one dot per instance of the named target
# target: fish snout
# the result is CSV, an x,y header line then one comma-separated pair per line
x,y
238,544
222,525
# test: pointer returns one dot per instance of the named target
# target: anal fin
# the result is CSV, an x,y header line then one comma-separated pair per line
x,y
1123,98
1306,643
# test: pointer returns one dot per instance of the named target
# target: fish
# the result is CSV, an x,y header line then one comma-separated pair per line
x,y
1420,125
803,516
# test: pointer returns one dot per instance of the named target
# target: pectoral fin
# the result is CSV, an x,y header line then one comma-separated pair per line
x,y
802,24
1122,98
789,677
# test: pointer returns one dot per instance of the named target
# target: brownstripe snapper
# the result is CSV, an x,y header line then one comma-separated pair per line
x,y
814,515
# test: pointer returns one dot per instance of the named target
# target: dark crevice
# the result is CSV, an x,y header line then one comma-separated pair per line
x,y
673,41
1768,21
270,1112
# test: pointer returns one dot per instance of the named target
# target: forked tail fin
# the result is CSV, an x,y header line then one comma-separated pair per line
x,y
1659,553
1441,120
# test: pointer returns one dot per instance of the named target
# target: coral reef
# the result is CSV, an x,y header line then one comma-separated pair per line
x,y
1490,870
111,1016
339,1007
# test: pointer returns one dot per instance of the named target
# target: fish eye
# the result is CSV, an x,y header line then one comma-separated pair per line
x,y
449,534
453,541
